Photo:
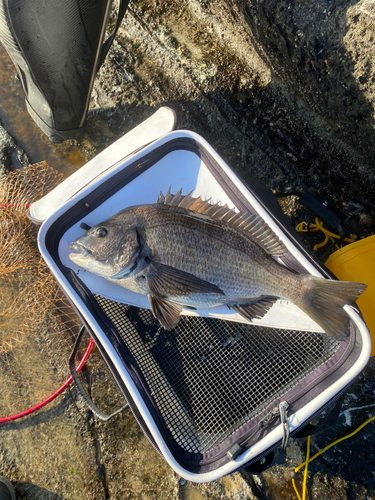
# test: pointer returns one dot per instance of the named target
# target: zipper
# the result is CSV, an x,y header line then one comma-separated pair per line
x,y
276,446
238,449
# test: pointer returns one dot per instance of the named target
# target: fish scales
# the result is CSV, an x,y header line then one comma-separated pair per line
x,y
214,252
180,252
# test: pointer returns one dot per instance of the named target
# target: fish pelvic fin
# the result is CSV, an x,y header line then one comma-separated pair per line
x,y
167,313
165,281
324,300
257,308
252,225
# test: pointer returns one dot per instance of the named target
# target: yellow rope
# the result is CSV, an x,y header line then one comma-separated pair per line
x,y
302,227
308,459
304,489
295,489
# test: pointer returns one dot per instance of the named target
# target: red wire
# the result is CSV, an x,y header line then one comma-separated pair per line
x,y
55,394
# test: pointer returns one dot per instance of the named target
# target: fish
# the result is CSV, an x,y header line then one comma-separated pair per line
x,y
184,251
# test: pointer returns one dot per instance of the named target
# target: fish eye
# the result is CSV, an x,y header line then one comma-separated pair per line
x,y
101,232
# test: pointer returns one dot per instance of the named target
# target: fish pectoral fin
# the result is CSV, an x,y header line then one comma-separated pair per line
x,y
166,281
167,313
257,308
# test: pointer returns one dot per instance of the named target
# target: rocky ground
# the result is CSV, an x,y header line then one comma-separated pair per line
x,y
284,90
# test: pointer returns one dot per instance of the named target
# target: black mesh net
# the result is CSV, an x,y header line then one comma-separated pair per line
x,y
208,376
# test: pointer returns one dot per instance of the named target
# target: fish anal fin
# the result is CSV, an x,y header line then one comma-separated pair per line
x,y
167,313
165,281
256,308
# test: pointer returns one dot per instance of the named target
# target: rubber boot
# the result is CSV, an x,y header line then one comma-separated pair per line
x,y
6,489
57,48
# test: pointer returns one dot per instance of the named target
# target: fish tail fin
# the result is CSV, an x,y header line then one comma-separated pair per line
x,y
324,300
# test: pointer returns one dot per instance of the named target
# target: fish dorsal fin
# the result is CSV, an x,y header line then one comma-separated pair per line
x,y
252,225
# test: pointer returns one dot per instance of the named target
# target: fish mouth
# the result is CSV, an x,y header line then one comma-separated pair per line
x,y
80,249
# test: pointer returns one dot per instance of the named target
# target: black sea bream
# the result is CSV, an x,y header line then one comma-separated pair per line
x,y
183,251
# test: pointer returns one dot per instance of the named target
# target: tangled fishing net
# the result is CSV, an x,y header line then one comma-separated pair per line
x,y
37,324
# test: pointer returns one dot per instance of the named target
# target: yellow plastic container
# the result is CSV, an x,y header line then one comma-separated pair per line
x,y
356,262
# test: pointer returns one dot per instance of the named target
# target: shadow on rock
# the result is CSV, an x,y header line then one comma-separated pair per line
x,y
33,492
49,413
